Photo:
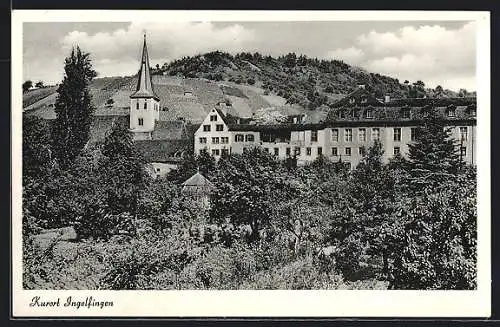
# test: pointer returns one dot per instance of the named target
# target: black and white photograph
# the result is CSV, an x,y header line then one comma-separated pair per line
x,y
239,154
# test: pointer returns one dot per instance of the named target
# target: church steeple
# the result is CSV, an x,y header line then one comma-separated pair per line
x,y
144,88
144,103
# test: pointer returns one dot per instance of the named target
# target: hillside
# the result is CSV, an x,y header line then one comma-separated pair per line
x,y
309,82
191,86
180,98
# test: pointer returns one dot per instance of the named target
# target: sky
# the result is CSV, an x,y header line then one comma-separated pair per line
x,y
436,52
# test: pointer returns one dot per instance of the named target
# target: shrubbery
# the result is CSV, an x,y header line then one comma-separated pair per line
x,y
270,224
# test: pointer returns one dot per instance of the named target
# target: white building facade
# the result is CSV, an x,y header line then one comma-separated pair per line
x,y
345,141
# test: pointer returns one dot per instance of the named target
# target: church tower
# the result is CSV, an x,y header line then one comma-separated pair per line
x,y
144,103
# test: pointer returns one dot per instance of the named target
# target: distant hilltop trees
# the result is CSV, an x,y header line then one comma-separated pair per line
x,y
309,82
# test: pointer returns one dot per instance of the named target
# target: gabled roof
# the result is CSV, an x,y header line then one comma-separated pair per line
x,y
162,150
198,181
358,96
144,88
170,130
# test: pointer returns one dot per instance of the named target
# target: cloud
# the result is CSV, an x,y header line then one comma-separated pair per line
x,y
431,53
350,55
117,52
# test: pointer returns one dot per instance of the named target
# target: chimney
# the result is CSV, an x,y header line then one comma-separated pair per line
x,y
387,98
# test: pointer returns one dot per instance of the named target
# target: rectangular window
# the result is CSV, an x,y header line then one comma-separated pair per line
x,y
213,117
348,135
335,152
276,151
369,113
413,134
202,151
215,140
140,121
215,152
287,151
296,151
219,127
203,140
451,112
238,138
224,152
308,151
137,105
206,128
397,134
335,135
224,140
361,151
314,136
463,151
396,150
249,138
145,105
463,133
362,135
375,134
347,151
406,113
320,151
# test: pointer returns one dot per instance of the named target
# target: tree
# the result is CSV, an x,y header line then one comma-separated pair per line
x,y
248,188
39,84
27,85
436,248
462,93
122,171
73,108
37,157
366,229
433,157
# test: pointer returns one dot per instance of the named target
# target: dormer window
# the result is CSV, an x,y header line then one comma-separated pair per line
x,y
368,113
405,113
341,114
471,110
451,112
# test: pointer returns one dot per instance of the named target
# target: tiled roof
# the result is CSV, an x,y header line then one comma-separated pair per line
x,y
101,125
357,95
163,150
398,113
275,127
197,180
197,184
170,130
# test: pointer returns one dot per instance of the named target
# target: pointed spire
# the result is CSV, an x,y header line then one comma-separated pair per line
x,y
144,87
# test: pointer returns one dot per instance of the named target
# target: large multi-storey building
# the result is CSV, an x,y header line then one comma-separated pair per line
x,y
351,127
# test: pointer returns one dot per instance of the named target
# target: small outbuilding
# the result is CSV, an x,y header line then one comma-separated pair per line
x,y
199,187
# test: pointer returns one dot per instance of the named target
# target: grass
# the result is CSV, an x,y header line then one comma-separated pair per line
x,y
36,95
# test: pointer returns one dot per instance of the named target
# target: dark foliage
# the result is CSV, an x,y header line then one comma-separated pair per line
x,y
73,108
